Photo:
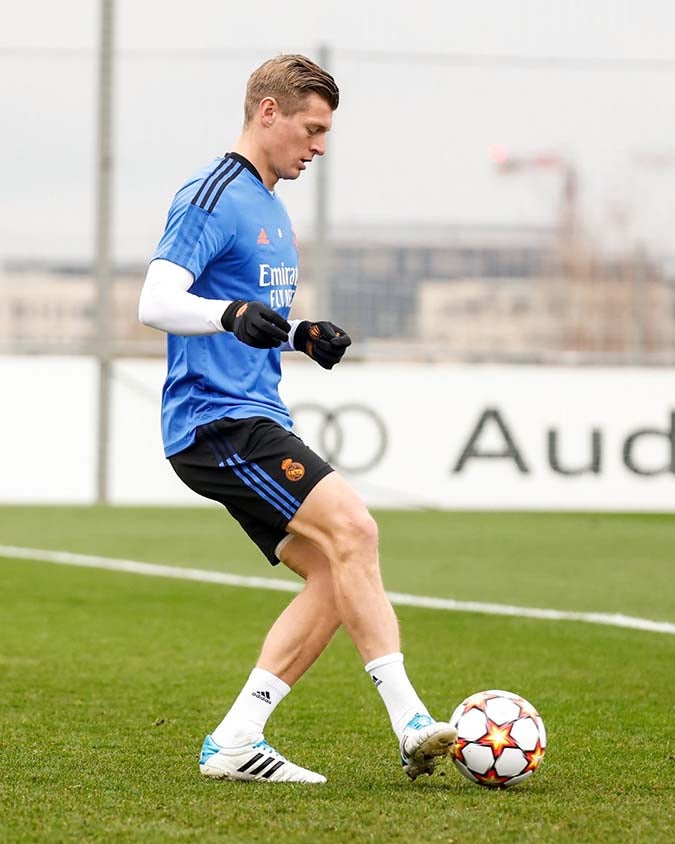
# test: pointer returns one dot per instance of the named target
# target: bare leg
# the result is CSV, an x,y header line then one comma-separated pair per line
x,y
308,623
335,548
294,642
335,520
236,748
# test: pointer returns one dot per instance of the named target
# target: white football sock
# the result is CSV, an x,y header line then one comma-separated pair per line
x,y
248,715
398,695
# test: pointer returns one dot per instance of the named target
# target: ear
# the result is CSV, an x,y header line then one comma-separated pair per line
x,y
268,108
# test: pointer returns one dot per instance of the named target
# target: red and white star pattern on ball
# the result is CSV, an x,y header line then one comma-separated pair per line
x,y
501,738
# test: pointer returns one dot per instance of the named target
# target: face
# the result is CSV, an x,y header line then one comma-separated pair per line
x,y
293,141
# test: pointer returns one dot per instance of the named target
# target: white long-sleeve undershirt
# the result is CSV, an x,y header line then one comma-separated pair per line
x,y
166,304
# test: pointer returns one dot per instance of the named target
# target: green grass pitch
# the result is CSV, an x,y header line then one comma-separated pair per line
x,y
109,681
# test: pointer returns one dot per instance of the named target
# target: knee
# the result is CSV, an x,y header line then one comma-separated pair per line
x,y
320,582
354,533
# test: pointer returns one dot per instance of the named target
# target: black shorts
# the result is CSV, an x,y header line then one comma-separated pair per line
x,y
258,470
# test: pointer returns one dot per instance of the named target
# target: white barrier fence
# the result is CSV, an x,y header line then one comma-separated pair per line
x,y
471,437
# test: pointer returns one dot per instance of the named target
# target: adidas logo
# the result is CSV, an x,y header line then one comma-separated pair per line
x,y
263,696
263,240
377,681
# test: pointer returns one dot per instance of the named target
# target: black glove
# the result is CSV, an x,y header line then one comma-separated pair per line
x,y
322,341
255,324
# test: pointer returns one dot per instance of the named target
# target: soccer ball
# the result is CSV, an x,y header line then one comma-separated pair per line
x,y
501,738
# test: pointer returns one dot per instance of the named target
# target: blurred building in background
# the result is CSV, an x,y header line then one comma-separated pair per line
x,y
432,293
425,245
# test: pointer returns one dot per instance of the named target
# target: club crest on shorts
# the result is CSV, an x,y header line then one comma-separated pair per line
x,y
294,471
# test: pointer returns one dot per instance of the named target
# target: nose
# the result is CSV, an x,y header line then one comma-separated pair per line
x,y
318,146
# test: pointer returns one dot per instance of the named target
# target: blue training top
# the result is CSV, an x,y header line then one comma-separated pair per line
x,y
236,238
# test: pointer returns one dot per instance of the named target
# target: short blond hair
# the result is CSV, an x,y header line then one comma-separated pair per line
x,y
290,79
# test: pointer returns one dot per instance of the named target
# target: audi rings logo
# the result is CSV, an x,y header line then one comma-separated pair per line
x,y
351,437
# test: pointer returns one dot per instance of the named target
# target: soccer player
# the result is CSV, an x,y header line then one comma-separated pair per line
x,y
221,284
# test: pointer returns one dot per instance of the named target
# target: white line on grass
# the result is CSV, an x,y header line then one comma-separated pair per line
x,y
398,598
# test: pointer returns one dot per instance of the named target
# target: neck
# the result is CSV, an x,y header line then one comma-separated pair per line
x,y
246,147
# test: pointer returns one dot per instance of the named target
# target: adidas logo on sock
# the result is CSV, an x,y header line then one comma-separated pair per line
x,y
377,681
263,696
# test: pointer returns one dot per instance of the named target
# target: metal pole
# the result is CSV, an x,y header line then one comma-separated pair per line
x,y
322,244
103,258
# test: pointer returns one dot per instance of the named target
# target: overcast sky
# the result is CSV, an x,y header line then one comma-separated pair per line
x,y
412,134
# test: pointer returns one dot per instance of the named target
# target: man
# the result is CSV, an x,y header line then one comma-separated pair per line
x,y
221,284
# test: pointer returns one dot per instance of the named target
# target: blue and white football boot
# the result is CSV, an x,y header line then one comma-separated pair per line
x,y
423,742
255,761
